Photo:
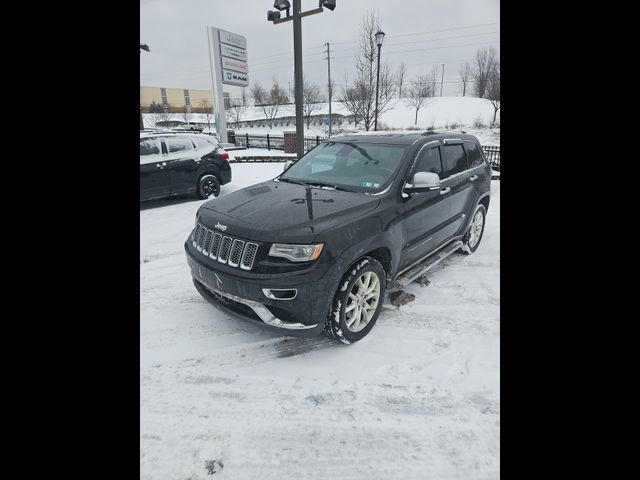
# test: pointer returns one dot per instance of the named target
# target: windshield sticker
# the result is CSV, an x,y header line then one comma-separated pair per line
x,y
370,184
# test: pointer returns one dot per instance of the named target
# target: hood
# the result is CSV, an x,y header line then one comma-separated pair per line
x,y
278,211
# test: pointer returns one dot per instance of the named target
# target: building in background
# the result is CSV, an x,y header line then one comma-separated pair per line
x,y
178,99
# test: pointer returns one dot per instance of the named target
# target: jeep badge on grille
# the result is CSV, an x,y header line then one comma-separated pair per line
x,y
220,226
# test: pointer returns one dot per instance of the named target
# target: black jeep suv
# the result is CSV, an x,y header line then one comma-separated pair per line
x,y
314,249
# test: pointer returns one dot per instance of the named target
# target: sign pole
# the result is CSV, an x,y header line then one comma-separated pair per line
x,y
216,81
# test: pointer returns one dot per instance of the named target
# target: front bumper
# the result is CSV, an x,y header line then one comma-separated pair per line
x,y
241,294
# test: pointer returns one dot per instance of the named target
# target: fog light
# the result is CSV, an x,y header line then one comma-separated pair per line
x,y
280,293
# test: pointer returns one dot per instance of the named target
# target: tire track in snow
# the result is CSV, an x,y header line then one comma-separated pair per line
x,y
201,351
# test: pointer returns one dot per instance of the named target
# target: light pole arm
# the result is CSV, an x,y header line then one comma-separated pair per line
x,y
303,14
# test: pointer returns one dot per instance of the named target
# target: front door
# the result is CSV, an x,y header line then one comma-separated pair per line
x,y
426,222
155,181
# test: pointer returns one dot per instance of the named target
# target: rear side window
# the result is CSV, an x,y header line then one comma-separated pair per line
x,y
454,160
149,146
473,154
175,144
429,161
204,143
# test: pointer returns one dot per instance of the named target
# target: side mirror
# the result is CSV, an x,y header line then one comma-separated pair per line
x,y
422,182
287,164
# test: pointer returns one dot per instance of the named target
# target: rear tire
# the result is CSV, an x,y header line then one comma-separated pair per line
x,y
208,186
472,238
357,302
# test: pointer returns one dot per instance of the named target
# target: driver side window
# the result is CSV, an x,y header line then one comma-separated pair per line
x,y
429,161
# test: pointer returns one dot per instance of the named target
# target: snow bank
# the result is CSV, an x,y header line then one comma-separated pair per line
x,y
438,112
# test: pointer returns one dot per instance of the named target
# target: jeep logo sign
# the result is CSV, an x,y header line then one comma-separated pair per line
x,y
220,226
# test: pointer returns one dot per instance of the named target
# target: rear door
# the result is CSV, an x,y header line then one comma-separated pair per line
x,y
181,161
425,225
480,172
457,186
155,181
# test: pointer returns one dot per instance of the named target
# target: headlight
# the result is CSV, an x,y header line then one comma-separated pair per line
x,y
195,225
296,253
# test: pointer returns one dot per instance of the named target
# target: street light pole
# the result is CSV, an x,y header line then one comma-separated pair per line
x,y
379,40
274,16
329,86
146,48
297,81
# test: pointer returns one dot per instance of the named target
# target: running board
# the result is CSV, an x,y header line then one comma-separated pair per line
x,y
423,267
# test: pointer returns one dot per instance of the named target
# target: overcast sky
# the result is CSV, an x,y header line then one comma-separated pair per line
x,y
422,33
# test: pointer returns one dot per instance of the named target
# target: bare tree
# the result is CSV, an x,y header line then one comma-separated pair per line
x,y
419,90
187,115
259,94
402,71
464,71
484,62
269,101
205,105
359,97
162,116
493,90
155,107
311,98
236,110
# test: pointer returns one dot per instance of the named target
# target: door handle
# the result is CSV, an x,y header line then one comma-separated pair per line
x,y
473,178
444,191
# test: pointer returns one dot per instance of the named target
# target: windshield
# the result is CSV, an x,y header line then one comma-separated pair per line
x,y
356,167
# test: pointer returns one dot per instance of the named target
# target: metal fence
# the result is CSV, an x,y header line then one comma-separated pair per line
x,y
271,142
493,155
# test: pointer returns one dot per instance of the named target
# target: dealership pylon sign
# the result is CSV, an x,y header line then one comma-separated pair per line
x,y
228,61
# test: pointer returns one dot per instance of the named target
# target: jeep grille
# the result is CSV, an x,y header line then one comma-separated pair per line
x,y
224,248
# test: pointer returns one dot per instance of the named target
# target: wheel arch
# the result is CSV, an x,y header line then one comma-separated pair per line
x,y
484,200
208,170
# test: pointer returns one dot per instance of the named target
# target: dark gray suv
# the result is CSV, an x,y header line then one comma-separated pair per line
x,y
315,248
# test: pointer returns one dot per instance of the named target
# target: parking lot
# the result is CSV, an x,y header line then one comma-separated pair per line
x,y
417,398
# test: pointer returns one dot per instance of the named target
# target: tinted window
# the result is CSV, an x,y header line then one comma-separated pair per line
x,y
204,143
429,161
178,144
149,146
474,155
454,160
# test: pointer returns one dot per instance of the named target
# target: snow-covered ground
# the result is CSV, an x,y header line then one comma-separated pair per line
x,y
418,398
442,113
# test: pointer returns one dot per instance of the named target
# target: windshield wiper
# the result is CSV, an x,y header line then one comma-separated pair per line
x,y
289,180
335,187
363,152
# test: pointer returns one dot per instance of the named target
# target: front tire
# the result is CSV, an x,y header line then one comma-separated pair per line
x,y
472,238
208,186
357,302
